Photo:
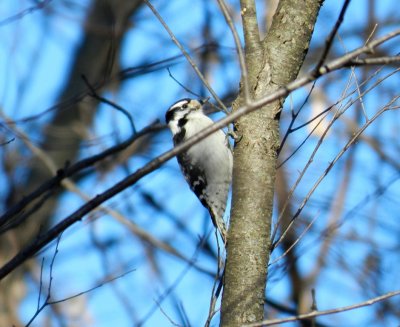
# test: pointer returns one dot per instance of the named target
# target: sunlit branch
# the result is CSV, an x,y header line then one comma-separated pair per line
x,y
314,314
373,61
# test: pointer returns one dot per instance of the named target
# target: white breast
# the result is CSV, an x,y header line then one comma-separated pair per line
x,y
214,157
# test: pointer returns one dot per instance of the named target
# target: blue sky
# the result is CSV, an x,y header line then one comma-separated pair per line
x,y
35,56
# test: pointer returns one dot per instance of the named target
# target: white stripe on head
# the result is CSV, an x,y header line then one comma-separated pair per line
x,y
180,103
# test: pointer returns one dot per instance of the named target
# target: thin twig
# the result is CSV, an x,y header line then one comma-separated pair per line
x,y
215,289
295,242
187,56
294,117
180,84
239,50
39,5
46,302
172,322
332,34
325,312
94,94
350,103
356,135
174,284
109,280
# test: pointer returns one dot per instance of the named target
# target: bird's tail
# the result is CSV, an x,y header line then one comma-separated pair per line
x,y
219,223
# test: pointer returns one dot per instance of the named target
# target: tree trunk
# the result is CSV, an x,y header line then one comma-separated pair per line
x,y
271,63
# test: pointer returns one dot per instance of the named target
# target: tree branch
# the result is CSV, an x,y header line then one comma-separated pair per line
x,y
130,180
255,156
314,314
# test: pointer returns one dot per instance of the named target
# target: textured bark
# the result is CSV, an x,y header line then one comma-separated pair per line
x,y
272,62
105,26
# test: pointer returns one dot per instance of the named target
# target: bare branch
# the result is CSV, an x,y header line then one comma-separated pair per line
x,y
69,170
96,96
40,5
105,282
332,35
239,50
373,61
254,49
326,312
186,54
354,138
47,299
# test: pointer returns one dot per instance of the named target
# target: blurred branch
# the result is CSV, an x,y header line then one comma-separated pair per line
x,y
40,5
95,95
337,207
7,142
70,170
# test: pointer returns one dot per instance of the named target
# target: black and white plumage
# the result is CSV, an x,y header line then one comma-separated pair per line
x,y
207,165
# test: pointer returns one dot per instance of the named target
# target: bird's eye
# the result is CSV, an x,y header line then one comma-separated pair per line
x,y
185,106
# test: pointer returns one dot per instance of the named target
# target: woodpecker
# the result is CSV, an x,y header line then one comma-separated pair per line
x,y
207,165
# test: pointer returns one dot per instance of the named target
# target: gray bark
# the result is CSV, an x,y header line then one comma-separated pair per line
x,y
271,63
